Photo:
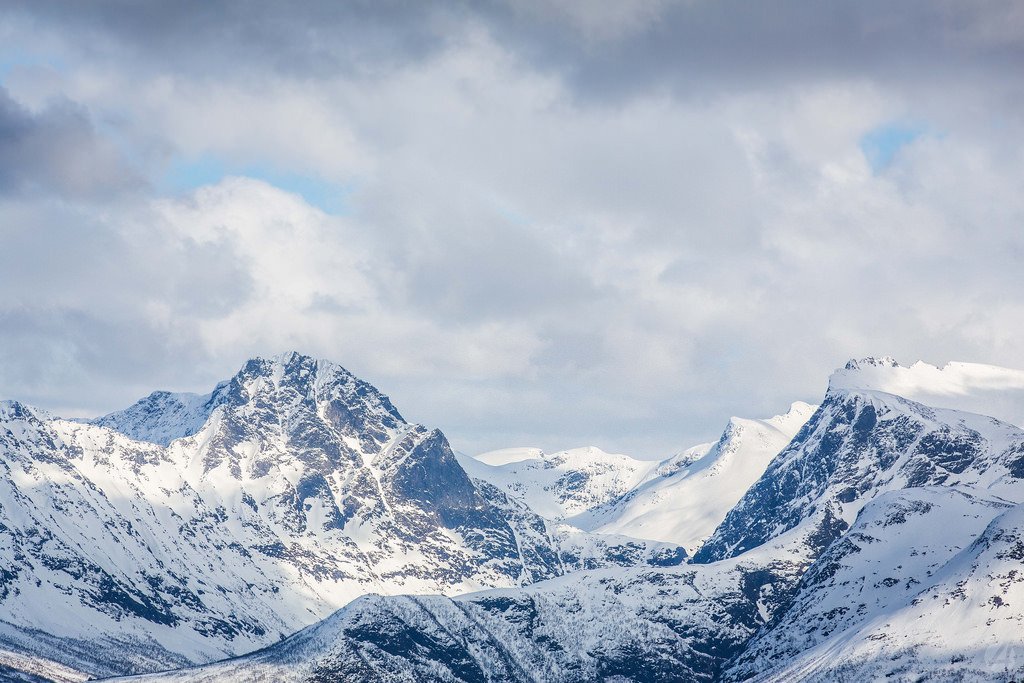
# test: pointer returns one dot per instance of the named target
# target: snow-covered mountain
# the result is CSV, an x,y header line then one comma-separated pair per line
x,y
911,513
885,542
185,529
563,484
907,549
679,500
860,443
688,496
164,416
877,536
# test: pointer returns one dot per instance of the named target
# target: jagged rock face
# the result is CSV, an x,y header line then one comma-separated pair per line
x,y
302,489
641,625
297,410
856,446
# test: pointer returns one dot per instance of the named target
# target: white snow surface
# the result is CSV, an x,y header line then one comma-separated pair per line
x,y
944,599
507,456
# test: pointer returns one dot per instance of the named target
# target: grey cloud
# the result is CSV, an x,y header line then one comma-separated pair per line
x,y
683,45
309,39
490,269
67,257
93,313
760,45
57,150
210,280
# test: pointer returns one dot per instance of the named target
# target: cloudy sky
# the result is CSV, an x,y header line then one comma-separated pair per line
x,y
610,222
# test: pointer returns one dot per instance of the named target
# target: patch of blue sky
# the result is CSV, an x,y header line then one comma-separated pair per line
x,y
18,58
881,144
188,174
508,212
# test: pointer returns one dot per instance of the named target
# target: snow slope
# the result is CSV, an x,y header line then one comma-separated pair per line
x,y
684,504
962,621
898,544
507,456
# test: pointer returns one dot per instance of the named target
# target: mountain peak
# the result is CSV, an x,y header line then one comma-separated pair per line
x,y
871,362
16,410
307,375
290,378
290,367
274,385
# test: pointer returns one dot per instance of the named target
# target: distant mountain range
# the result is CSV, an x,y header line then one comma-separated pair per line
x,y
292,514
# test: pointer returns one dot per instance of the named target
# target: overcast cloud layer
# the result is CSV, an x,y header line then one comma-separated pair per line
x,y
615,223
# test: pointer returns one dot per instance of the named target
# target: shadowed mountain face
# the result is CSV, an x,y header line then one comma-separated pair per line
x,y
189,528
675,625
